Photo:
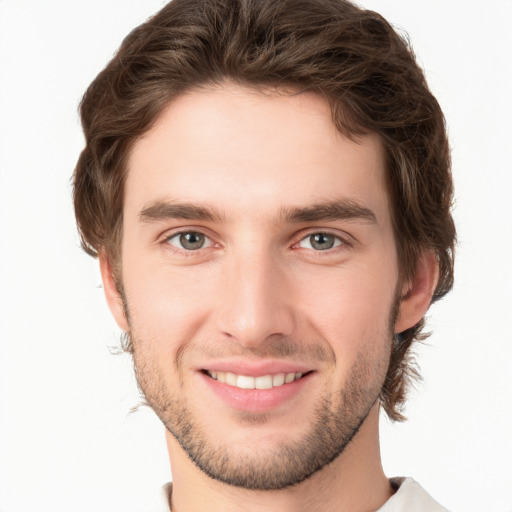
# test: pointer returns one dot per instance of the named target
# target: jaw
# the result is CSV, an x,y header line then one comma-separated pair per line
x,y
344,481
268,447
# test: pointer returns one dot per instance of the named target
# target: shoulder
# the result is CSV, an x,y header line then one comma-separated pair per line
x,y
410,496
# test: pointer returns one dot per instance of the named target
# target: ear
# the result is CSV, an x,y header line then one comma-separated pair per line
x,y
114,299
417,292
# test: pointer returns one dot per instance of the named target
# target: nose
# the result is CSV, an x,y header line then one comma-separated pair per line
x,y
255,302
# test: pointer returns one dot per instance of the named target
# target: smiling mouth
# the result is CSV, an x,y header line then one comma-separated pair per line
x,y
261,382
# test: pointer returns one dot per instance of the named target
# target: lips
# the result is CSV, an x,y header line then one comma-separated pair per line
x,y
256,387
268,381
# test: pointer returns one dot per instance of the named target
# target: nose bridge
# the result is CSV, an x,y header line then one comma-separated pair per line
x,y
255,302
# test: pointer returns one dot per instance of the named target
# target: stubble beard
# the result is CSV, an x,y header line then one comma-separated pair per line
x,y
335,421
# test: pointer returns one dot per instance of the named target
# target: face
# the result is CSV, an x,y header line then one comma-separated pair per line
x,y
260,280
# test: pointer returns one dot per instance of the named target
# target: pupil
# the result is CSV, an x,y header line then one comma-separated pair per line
x,y
192,240
322,241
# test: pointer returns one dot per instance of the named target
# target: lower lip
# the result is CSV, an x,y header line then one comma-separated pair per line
x,y
256,400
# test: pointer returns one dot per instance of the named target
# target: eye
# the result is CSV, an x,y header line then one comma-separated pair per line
x,y
320,241
189,241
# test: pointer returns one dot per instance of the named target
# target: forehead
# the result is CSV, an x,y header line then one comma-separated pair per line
x,y
241,149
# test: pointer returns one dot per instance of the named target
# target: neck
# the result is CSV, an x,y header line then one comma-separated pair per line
x,y
355,482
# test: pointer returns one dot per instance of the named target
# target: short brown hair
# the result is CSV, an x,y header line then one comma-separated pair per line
x,y
350,56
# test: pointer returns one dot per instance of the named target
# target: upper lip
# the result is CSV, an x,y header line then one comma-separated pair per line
x,y
255,368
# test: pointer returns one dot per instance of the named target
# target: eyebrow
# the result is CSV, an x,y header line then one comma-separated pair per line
x,y
343,209
161,210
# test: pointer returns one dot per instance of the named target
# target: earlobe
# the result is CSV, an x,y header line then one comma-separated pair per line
x,y
417,293
114,299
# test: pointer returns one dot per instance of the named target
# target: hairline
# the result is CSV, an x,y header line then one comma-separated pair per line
x,y
354,131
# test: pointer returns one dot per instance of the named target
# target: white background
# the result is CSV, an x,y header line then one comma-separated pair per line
x,y
67,440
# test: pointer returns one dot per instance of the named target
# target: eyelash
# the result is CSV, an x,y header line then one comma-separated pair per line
x,y
181,251
341,243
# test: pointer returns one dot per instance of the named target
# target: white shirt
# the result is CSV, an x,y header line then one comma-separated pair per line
x,y
409,497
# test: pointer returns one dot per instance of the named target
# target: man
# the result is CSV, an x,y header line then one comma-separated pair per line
x,y
267,187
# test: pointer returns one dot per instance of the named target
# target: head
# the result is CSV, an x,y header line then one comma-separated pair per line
x,y
349,58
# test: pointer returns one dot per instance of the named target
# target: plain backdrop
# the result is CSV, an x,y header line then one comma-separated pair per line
x,y
67,438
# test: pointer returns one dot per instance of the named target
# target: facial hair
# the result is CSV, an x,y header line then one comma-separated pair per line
x,y
336,419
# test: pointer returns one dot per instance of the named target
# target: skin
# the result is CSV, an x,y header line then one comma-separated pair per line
x,y
252,168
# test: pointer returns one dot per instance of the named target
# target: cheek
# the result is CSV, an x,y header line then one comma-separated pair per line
x,y
167,305
351,310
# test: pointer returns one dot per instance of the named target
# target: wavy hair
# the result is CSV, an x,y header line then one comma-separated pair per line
x,y
350,56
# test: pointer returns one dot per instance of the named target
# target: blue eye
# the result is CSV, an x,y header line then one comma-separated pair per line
x,y
189,241
320,241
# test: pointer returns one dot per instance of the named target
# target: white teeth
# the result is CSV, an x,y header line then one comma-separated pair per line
x,y
244,382
230,378
261,382
278,380
290,377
